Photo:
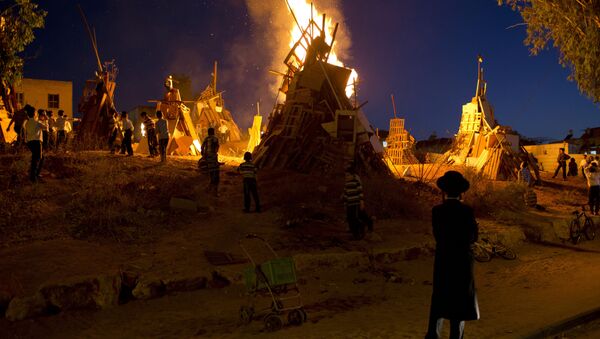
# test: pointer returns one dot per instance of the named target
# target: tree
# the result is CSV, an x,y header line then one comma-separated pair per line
x,y
573,26
18,20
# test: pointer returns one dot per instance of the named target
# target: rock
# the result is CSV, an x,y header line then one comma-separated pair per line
x,y
185,283
148,288
91,292
108,291
183,204
26,307
70,295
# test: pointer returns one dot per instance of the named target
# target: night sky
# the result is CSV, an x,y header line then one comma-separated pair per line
x,y
422,51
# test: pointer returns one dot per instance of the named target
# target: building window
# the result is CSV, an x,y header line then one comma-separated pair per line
x,y
53,101
21,99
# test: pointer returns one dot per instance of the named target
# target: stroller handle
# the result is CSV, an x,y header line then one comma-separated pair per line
x,y
252,236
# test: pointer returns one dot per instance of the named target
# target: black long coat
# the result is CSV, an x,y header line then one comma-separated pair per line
x,y
454,229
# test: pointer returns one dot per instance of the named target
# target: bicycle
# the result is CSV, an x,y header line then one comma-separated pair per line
x,y
577,230
485,249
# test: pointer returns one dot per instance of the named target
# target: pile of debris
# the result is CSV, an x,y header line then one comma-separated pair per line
x,y
317,128
96,106
209,111
400,144
482,143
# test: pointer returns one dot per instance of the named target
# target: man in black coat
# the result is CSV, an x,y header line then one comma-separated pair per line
x,y
454,229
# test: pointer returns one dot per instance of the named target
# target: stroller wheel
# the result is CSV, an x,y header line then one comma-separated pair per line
x,y
273,322
246,314
296,317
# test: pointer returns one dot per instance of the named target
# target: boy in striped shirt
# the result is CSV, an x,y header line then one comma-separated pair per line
x,y
356,215
248,172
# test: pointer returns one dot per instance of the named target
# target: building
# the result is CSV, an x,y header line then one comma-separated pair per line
x,y
50,95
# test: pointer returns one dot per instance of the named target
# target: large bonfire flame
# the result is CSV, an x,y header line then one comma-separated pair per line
x,y
302,11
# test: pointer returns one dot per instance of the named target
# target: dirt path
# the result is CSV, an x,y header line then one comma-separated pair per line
x,y
543,286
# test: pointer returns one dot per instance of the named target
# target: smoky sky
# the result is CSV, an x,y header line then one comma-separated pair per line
x,y
424,52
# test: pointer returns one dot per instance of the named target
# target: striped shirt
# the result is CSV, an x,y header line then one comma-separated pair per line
x,y
149,124
525,175
247,170
210,146
162,129
353,191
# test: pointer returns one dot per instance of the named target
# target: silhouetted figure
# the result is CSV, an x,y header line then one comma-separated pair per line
x,y
18,121
562,163
127,134
210,152
62,129
113,128
353,198
572,168
34,136
162,129
592,173
248,172
455,230
150,134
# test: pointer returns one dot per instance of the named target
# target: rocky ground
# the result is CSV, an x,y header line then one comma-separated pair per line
x,y
100,249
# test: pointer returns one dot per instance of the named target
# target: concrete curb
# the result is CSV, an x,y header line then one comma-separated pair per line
x,y
565,325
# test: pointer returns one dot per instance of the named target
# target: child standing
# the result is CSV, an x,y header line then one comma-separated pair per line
x,y
248,172
163,135
34,136
128,134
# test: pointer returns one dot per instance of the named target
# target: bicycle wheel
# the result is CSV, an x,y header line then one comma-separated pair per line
x,y
575,232
506,252
589,229
480,254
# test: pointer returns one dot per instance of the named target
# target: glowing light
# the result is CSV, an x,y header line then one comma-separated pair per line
x,y
197,145
302,12
143,129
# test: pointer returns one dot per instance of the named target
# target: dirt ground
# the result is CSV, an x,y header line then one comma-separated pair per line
x,y
79,230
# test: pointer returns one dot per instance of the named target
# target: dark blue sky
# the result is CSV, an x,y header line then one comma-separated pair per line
x,y
422,51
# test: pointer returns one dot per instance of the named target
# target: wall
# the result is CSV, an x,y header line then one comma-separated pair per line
x,y
547,154
36,94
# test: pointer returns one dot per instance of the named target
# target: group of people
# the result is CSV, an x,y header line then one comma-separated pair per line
x,y
54,132
571,168
247,169
41,133
157,134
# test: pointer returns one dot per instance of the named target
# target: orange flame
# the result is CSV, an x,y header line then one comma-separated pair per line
x,y
302,10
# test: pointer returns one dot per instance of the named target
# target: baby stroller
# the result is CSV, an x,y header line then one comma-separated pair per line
x,y
273,281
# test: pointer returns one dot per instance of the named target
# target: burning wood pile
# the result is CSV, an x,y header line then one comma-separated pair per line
x,y
482,143
317,128
209,111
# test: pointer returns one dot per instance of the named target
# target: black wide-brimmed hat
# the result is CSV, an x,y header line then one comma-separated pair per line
x,y
452,182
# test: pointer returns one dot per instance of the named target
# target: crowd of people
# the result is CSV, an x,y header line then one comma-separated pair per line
x,y
41,132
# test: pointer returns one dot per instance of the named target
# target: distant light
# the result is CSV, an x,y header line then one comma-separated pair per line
x,y
385,144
